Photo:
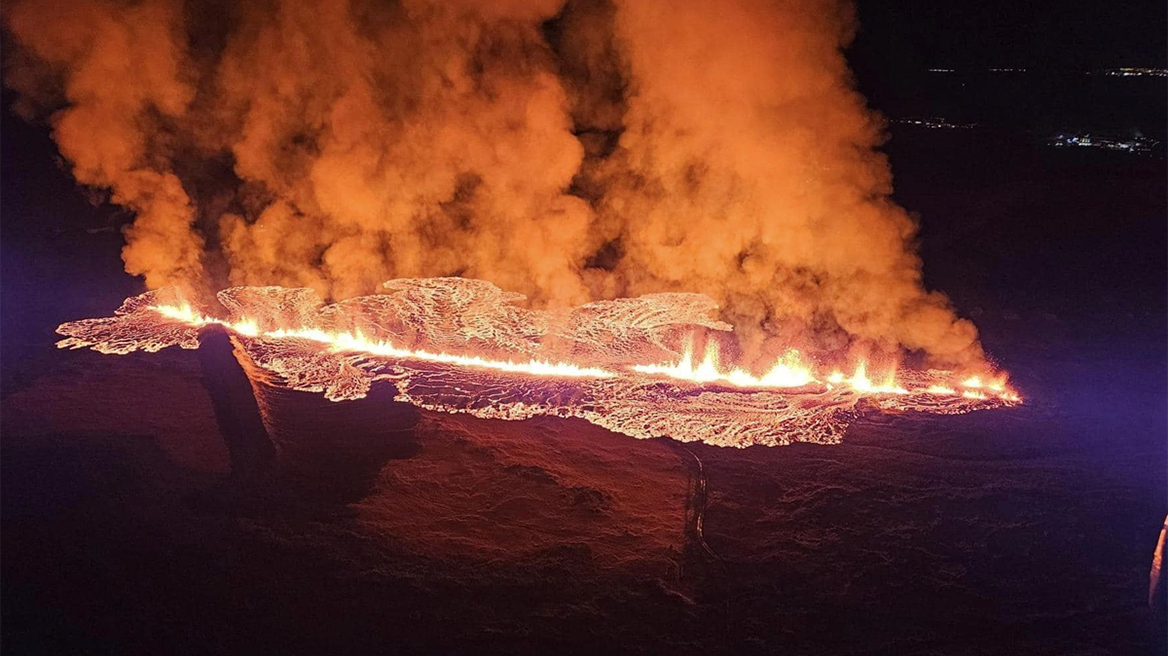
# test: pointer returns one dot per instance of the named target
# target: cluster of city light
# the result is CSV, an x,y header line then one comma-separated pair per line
x,y
1126,71
1129,145
935,123
1137,72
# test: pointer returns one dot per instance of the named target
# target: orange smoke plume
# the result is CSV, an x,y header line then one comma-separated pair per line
x,y
570,152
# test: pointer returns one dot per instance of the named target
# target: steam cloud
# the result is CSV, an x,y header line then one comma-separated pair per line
x,y
570,152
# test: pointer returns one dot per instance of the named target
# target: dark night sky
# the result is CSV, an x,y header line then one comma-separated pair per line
x,y
1046,34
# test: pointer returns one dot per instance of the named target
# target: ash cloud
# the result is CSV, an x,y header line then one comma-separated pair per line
x,y
568,151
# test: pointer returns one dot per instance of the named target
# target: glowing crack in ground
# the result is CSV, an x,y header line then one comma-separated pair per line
x,y
463,346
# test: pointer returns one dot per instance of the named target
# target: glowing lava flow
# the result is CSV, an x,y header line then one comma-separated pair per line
x,y
462,346
860,382
356,342
789,371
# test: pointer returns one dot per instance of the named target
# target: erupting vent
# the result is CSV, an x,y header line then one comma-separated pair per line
x,y
458,345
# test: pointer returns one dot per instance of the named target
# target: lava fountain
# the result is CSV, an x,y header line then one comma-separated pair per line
x,y
463,346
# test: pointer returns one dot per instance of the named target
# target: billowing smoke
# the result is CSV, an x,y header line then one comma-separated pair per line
x,y
592,149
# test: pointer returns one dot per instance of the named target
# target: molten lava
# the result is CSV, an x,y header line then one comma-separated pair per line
x,y
458,345
356,342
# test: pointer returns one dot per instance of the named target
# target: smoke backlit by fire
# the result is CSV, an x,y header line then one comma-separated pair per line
x,y
570,151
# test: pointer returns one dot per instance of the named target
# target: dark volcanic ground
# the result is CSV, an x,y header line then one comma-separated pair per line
x,y
1027,531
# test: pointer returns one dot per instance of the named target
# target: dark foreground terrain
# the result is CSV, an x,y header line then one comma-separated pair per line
x,y
1028,531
